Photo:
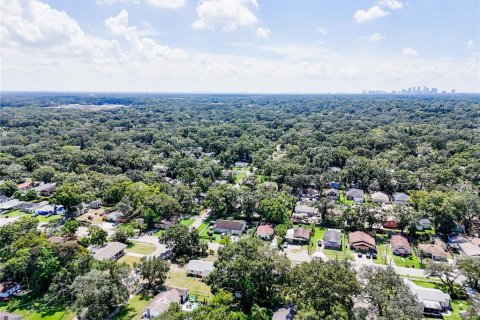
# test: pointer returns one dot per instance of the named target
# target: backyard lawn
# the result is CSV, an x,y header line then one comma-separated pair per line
x,y
14,213
319,232
140,248
409,261
343,199
204,235
180,279
30,310
345,253
187,222
134,309
384,255
130,260
239,175
48,219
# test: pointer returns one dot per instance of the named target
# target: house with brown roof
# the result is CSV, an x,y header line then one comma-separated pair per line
x,y
235,227
391,222
297,236
25,185
400,245
361,241
265,232
332,194
433,251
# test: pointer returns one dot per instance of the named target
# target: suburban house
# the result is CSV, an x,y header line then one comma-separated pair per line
x,y
434,301
46,189
165,223
424,224
456,239
10,205
297,236
117,216
111,251
391,222
199,268
380,197
95,204
8,288
310,193
24,186
400,197
57,239
469,249
163,300
332,194
47,209
265,232
332,239
283,313
303,211
9,316
356,195
361,241
241,164
400,245
235,227
433,251
4,198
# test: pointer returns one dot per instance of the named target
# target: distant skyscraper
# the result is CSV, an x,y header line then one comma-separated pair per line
x,y
453,91
433,91
444,92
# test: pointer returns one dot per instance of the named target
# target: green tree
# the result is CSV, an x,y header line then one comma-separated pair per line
x,y
446,273
276,209
183,243
388,296
251,269
8,188
30,195
69,196
470,268
97,235
321,286
153,270
44,173
70,228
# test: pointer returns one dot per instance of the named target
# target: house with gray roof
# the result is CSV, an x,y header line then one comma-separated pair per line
x,y
400,197
199,268
356,195
163,300
332,239
236,227
111,251
297,236
435,302
332,194
380,197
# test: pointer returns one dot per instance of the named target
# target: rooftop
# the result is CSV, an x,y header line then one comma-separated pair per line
x,y
109,251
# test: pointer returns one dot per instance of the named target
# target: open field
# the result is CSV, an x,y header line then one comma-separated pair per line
x,y
130,260
179,278
140,248
33,310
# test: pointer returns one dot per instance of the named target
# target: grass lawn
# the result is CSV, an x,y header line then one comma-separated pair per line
x,y
187,222
204,235
408,261
130,260
14,213
203,226
140,248
458,307
48,219
158,233
343,199
197,287
134,309
384,254
319,232
345,253
31,310
239,175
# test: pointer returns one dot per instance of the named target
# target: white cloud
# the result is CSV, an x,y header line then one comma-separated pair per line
x,y
322,30
229,14
371,14
170,4
375,37
392,4
142,46
470,45
165,4
409,52
263,32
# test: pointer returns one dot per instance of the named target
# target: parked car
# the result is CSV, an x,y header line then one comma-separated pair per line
x,y
374,255
368,255
359,254
222,235
6,299
285,245
319,243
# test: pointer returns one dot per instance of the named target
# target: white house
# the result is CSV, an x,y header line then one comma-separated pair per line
x,y
356,195
400,197
8,288
199,268
380,197
434,301
163,300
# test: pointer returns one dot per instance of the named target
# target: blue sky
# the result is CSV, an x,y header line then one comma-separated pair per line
x,y
269,46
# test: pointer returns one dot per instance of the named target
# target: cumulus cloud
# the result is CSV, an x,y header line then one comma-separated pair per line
x,y
170,4
229,14
143,46
375,37
409,52
322,30
263,32
374,12
470,45
392,4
